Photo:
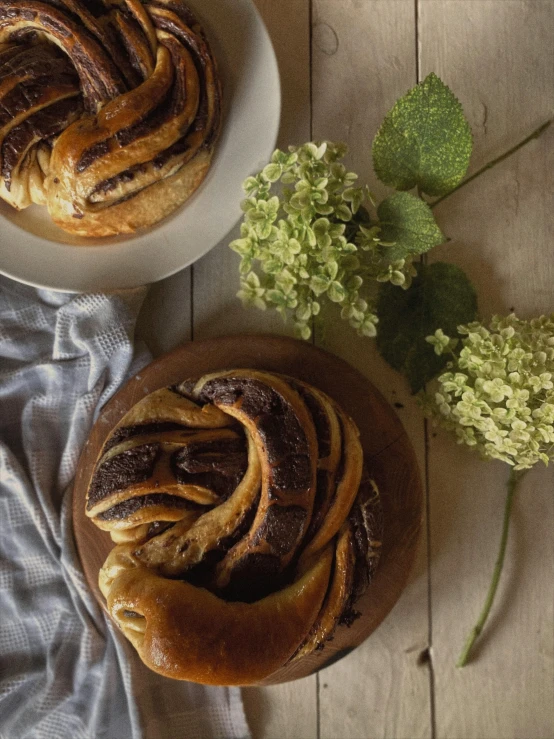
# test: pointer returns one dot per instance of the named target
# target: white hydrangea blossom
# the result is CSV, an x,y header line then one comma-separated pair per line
x,y
498,393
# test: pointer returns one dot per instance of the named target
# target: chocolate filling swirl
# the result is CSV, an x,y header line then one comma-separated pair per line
x,y
285,468
143,123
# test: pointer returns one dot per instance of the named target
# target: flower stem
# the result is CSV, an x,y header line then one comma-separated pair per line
x,y
515,477
535,135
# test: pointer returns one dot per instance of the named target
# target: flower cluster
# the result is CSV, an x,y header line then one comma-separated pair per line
x,y
498,392
315,240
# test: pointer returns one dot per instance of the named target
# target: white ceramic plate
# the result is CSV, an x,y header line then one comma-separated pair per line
x,y
35,251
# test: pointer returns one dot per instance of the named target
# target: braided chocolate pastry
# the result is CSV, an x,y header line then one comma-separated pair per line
x,y
247,527
109,110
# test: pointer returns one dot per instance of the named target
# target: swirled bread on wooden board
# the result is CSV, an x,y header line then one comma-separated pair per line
x,y
110,110
246,525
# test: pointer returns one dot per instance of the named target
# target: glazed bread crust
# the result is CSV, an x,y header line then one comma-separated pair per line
x,y
229,588
114,114
217,643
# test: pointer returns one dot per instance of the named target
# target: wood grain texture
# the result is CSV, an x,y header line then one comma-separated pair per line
x,y
364,58
287,711
497,57
387,451
165,302
216,278
218,312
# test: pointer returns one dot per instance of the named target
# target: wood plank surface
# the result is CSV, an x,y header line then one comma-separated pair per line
x,y
215,277
498,57
283,711
364,58
165,319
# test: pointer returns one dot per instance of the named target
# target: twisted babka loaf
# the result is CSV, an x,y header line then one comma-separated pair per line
x,y
109,110
246,525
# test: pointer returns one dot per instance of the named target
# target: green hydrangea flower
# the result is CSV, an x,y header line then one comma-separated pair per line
x,y
313,241
498,398
498,393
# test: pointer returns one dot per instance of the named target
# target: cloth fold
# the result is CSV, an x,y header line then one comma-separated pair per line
x,y
65,672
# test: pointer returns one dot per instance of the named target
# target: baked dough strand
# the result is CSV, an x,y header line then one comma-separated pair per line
x,y
226,589
137,136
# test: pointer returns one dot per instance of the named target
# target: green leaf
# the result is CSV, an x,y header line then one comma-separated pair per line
x,y
424,141
250,185
303,312
343,212
277,297
272,172
354,196
272,266
319,284
324,210
288,178
336,292
441,296
253,280
354,283
409,223
286,281
245,265
241,246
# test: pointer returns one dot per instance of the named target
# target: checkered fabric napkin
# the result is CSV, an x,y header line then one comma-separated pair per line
x,y
65,673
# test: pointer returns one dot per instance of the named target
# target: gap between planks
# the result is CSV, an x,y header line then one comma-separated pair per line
x,y
429,652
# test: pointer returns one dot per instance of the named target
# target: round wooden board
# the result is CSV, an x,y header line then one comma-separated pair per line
x,y
388,453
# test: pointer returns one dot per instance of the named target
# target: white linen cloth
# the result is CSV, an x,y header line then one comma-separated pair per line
x,y
65,673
